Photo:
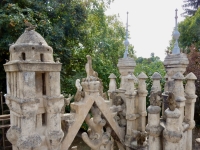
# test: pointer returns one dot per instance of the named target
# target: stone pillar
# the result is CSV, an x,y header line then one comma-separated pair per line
x,y
189,107
153,128
156,82
178,91
131,115
142,93
54,102
172,132
112,85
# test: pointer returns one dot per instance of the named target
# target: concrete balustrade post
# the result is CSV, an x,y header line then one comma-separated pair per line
x,y
172,133
153,128
142,93
189,107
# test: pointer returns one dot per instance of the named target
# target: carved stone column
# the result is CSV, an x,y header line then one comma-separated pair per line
x,y
142,93
131,114
178,91
112,85
153,128
54,133
189,107
172,133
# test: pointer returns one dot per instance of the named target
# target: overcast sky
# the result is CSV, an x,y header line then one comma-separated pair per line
x,y
151,23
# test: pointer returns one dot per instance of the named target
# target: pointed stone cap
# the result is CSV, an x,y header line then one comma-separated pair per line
x,y
31,37
112,76
142,75
166,76
178,76
191,76
156,75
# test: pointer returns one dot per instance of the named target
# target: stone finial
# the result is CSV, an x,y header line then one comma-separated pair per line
x,y
112,76
112,84
178,76
29,25
156,75
142,75
176,34
126,42
57,60
191,76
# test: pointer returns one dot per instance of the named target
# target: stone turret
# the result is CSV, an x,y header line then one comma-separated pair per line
x,y
33,94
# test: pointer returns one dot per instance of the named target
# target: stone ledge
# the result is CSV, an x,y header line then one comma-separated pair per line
x,y
32,66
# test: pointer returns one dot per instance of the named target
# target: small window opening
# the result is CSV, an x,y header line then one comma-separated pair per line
x,y
43,84
23,56
43,119
42,57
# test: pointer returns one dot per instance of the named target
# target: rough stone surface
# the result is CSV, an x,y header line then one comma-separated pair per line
x,y
33,94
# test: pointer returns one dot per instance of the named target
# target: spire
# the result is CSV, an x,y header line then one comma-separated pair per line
x,y
176,34
126,42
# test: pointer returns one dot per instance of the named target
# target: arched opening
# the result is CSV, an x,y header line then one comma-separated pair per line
x,y
23,56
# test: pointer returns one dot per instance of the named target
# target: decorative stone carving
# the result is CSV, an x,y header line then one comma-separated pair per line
x,y
120,108
97,139
155,98
171,101
88,68
34,99
140,140
79,93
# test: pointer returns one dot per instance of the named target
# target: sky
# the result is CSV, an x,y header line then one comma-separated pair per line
x,y
151,23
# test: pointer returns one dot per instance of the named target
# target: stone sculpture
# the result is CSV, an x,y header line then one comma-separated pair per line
x,y
97,139
141,138
79,93
37,107
155,98
88,68
120,107
171,101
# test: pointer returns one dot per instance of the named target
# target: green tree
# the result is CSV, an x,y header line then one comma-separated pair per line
x,y
190,7
149,66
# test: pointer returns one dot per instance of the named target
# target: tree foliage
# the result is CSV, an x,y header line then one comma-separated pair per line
x,y
149,66
190,32
74,28
190,7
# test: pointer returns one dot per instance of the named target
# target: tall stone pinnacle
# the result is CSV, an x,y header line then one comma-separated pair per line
x,y
126,42
176,34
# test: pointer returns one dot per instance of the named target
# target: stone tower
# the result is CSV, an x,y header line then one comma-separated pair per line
x,y
33,94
